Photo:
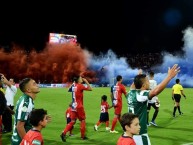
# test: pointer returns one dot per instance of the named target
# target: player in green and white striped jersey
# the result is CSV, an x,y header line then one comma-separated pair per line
x,y
24,106
138,97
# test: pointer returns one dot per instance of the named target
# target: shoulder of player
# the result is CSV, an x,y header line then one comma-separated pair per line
x,y
13,86
137,91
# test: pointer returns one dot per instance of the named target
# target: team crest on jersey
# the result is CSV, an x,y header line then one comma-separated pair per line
x,y
24,109
37,142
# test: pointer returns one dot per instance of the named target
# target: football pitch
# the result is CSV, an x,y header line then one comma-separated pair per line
x,y
170,131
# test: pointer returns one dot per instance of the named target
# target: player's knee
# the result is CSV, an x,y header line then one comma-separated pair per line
x,y
82,120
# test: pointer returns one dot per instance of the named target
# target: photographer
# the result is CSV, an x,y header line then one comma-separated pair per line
x,y
10,92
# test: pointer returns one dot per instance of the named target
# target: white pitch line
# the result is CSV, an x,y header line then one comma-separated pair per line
x,y
191,143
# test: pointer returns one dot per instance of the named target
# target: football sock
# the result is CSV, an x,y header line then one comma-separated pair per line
x,y
174,110
71,129
82,128
98,123
68,127
114,123
179,109
107,123
155,115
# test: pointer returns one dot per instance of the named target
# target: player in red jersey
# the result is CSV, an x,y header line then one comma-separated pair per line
x,y
68,115
38,119
104,115
130,125
77,89
116,96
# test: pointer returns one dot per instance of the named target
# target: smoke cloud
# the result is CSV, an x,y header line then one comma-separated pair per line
x,y
60,62
55,64
108,65
184,59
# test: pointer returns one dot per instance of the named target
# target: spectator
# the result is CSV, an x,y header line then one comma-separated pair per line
x,y
10,93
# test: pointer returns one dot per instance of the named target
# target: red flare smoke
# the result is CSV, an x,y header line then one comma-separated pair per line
x,y
57,63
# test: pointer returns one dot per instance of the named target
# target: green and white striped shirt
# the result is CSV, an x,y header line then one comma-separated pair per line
x,y
24,106
137,104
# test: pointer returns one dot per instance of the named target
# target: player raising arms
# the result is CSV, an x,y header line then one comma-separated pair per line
x,y
77,89
139,95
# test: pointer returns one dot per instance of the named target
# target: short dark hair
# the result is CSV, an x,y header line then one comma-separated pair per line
x,y
127,119
104,98
151,73
177,81
138,80
75,78
119,77
36,116
23,83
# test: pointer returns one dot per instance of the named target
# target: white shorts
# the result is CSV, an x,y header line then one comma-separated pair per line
x,y
142,139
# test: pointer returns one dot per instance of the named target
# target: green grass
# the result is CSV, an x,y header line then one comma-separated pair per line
x,y
171,131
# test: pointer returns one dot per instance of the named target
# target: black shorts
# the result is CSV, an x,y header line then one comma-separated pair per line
x,y
104,117
68,120
177,97
151,104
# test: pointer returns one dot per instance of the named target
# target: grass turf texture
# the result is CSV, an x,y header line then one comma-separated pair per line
x,y
170,131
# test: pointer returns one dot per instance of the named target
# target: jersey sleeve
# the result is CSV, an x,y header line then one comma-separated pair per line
x,y
181,88
37,141
84,87
123,90
70,89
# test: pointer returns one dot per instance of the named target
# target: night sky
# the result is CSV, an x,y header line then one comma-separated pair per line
x,y
123,26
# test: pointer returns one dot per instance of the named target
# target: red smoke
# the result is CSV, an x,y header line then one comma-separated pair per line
x,y
57,63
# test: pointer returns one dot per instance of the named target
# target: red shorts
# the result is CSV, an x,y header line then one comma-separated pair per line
x,y
79,113
118,109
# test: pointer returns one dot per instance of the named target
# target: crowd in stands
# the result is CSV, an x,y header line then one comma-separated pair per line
x,y
144,61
